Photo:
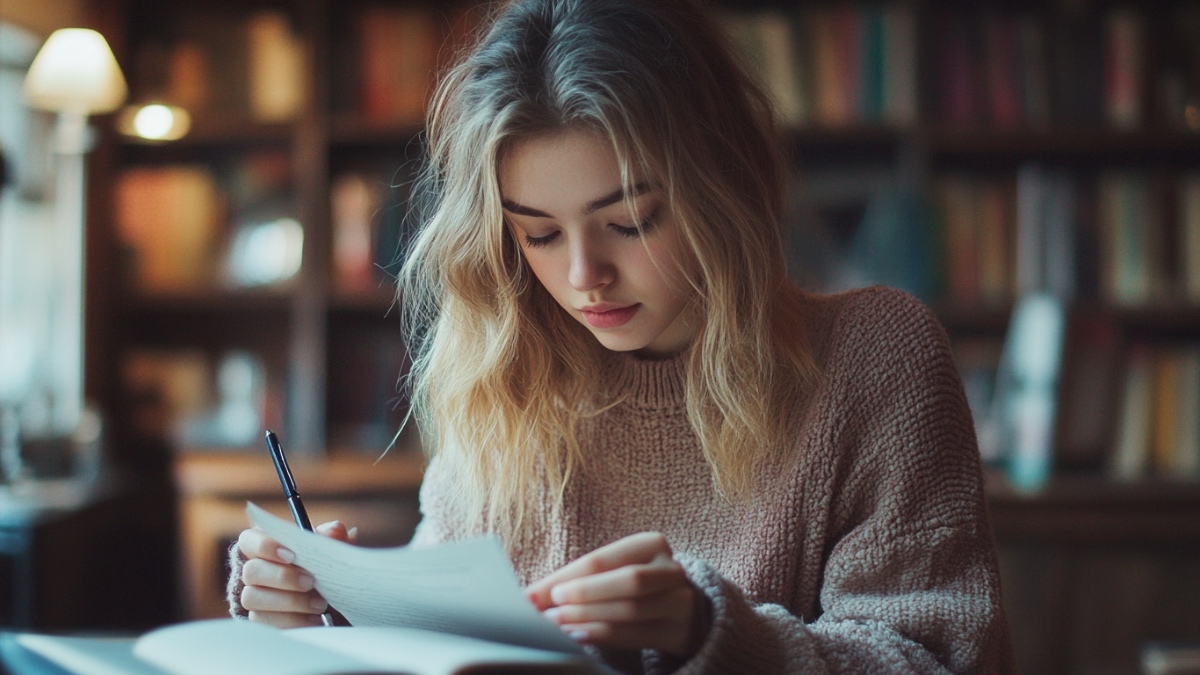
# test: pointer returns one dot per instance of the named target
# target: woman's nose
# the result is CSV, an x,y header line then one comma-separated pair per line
x,y
590,268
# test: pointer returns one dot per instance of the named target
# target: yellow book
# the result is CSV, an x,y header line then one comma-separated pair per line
x,y
1167,387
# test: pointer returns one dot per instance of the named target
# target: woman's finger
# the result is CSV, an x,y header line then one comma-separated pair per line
x,y
254,543
675,604
658,634
628,582
641,548
259,572
263,599
285,619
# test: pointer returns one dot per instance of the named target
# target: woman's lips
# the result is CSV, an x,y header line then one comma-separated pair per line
x,y
611,318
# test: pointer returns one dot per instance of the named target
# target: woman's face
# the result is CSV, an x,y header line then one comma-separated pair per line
x,y
565,206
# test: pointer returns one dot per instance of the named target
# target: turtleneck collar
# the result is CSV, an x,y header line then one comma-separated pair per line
x,y
646,383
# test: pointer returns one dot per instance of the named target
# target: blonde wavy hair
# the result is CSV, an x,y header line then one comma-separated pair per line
x,y
501,376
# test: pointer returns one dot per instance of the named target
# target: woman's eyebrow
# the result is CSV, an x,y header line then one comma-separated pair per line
x,y
593,206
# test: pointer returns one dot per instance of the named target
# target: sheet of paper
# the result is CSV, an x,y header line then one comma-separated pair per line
x,y
467,588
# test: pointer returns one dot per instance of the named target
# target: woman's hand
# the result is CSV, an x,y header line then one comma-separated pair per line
x,y
277,592
630,594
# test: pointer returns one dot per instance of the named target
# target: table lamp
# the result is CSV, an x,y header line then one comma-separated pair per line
x,y
73,75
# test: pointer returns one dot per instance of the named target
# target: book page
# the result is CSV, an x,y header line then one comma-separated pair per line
x,y
429,653
467,588
237,647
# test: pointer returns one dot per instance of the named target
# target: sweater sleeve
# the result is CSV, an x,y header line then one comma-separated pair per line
x,y
910,582
234,586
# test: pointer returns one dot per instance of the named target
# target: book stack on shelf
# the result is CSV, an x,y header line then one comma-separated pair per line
x,y
274,229
834,67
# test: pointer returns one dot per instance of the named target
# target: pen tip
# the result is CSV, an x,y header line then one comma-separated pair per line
x,y
269,434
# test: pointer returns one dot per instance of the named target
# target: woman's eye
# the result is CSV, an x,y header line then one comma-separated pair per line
x,y
540,241
645,226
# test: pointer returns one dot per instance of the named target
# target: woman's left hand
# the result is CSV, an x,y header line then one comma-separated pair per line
x,y
630,594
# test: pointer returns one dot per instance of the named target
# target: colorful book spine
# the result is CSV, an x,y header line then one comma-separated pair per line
x,y
1123,64
899,54
1189,232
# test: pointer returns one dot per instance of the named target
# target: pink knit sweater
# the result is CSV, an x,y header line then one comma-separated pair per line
x,y
868,550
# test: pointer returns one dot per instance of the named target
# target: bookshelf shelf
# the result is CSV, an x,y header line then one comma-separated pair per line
x,y
1070,144
215,302
217,131
351,132
1093,509
960,319
379,301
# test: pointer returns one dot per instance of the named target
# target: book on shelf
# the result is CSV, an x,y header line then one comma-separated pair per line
x,y
1077,66
354,203
959,202
398,56
1089,393
371,222
1002,67
1123,67
454,608
1159,420
368,367
1189,229
1133,245
899,54
977,217
275,59
168,218
958,90
1131,451
832,66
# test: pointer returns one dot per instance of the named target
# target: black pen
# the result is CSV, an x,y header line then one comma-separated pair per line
x,y
293,496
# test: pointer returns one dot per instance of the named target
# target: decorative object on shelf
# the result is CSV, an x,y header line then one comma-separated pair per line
x,y
74,75
1025,404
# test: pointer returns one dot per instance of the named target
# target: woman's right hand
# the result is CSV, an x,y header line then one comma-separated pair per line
x,y
278,592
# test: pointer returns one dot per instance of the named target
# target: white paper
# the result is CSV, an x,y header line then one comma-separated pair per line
x,y
467,588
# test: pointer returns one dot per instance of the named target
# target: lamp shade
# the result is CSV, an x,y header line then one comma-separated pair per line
x,y
75,71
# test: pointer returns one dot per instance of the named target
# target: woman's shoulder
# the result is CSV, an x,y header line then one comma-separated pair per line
x,y
872,325
873,309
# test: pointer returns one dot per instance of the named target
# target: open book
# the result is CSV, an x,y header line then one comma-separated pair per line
x,y
235,647
455,608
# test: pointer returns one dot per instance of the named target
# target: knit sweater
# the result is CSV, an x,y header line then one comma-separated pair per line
x,y
865,548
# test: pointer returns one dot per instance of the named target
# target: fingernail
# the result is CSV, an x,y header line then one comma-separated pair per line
x,y
305,582
558,594
318,604
353,533
553,614
285,555
577,635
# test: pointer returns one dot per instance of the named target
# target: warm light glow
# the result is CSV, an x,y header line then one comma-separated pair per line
x,y
75,71
155,122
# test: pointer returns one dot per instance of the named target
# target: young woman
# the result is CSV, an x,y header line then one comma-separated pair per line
x,y
693,464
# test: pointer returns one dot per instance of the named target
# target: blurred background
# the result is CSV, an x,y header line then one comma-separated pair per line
x,y
202,205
